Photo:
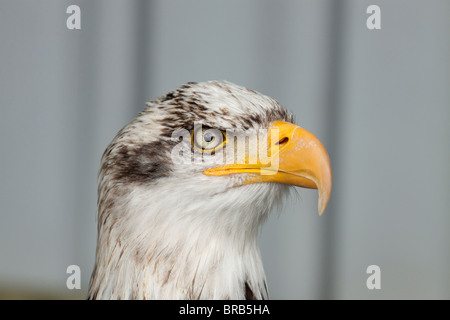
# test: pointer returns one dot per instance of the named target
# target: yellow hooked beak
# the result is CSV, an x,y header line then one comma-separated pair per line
x,y
295,157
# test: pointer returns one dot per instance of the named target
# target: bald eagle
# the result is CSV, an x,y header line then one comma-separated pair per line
x,y
172,229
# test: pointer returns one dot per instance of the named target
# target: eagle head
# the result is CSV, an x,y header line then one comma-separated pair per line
x,y
185,187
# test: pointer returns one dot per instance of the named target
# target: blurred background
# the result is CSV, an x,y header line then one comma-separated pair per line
x,y
379,100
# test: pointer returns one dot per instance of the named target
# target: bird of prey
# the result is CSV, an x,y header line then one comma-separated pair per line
x,y
180,207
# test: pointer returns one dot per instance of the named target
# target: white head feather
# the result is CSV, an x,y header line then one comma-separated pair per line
x,y
168,231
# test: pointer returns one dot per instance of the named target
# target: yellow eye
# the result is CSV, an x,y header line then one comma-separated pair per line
x,y
208,139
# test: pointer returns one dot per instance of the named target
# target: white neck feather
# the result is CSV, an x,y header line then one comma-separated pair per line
x,y
161,242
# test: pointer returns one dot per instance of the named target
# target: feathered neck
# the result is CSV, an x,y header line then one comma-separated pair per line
x,y
158,242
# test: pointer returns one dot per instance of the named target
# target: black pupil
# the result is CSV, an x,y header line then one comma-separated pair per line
x,y
208,137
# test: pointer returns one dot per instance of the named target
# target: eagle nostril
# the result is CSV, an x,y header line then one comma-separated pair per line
x,y
282,141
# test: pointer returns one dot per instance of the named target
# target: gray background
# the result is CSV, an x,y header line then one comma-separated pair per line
x,y
378,100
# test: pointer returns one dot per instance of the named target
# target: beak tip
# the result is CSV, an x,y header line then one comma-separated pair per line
x,y
323,201
321,210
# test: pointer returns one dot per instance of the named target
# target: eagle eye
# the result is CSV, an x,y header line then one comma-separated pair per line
x,y
207,139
